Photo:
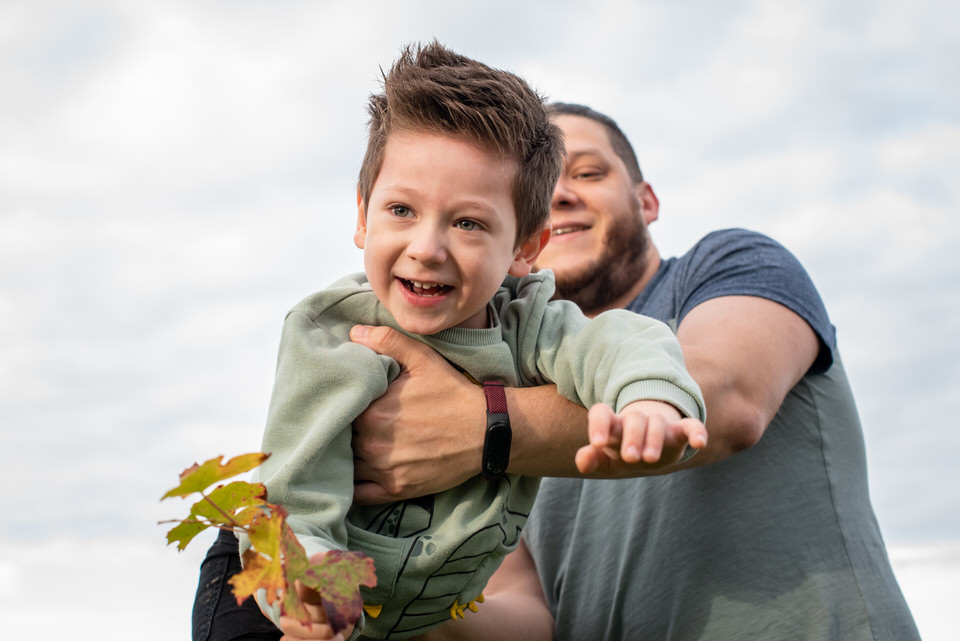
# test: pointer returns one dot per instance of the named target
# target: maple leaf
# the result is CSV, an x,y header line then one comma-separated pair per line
x,y
185,532
197,478
220,505
262,563
338,578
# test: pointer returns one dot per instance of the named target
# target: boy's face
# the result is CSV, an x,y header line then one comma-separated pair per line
x,y
439,231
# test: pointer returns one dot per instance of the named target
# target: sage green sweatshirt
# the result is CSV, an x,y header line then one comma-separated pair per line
x,y
433,555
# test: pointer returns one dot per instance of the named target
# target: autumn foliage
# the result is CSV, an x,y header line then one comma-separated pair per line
x,y
276,560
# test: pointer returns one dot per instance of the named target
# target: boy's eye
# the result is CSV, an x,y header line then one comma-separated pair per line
x,y
467,225
587,174
401,211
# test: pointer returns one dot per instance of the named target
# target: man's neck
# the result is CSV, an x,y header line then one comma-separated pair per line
x,y
653,264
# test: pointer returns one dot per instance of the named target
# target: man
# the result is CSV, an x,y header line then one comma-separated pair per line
x,y
767,533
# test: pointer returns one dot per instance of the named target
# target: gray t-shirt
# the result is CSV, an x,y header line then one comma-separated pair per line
x,y
777,542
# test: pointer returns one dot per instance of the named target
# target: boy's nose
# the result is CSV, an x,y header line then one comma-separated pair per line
x,y
428,246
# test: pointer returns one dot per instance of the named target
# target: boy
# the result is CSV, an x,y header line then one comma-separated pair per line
x,y
453,209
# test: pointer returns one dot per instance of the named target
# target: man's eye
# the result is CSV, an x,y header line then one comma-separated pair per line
x,y
467,225
400,211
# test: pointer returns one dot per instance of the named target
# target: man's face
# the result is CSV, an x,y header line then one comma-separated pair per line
x,y
599,242
438,233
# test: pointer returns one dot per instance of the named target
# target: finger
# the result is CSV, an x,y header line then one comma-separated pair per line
x,y
389,342
696,432
634,429
603,425
369,493
293,629
653,438
588,459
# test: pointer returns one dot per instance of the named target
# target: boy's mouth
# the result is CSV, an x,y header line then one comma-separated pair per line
x,y
425,289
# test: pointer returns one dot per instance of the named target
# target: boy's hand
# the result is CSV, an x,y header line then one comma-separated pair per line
x,y
319,628
650,432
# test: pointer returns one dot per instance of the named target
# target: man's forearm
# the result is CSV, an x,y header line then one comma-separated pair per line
x,y
547,432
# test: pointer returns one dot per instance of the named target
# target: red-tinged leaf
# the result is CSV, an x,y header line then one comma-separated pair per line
x,y
295,557
185,532
197,478
295,564
265,532
222,503
338,578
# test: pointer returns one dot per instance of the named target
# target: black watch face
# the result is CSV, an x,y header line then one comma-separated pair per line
x,y
496,449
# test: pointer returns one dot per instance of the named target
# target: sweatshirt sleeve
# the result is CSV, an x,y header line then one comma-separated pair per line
x,y
323,382
616,358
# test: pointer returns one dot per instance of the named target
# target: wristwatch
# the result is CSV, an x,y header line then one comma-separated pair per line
x,y
496,443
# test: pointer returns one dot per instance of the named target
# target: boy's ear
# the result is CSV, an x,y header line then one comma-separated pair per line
x,y
528,252
360,236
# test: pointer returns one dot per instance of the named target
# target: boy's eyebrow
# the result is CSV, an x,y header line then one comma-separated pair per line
x,y
465,203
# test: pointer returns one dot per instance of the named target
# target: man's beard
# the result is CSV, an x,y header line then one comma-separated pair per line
x,y
613,274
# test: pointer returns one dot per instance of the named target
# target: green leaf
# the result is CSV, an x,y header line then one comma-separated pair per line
x,y
197,478
229,499
185,532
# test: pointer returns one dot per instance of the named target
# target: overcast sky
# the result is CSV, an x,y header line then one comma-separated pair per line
x,y
175,175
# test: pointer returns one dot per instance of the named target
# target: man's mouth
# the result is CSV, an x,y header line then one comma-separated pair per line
x,y
568,229
425,289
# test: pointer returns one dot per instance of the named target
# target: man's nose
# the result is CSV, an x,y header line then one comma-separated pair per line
x,y
563,194
428,245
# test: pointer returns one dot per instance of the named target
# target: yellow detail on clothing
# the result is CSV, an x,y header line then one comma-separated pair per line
x,y
456,610
373,611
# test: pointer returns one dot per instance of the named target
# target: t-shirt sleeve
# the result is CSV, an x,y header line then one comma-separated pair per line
x,y
737,262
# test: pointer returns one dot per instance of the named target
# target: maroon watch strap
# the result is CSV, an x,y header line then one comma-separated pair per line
x,y
496,442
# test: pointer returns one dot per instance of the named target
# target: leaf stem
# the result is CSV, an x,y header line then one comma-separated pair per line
x,y
226,515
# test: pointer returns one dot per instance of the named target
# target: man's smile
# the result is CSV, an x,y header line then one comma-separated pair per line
x,y
568,229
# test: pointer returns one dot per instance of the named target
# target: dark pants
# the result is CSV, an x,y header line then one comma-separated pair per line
x,y
216,615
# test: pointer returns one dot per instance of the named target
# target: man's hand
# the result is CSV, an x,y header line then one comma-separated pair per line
x,y
647,432
434,444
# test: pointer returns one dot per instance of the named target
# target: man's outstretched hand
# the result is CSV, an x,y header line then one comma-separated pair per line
x,y
434,444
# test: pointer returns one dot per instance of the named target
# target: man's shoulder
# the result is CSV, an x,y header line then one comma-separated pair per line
x,y
731,240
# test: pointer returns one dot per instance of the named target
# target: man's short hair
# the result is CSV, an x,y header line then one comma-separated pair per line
x,y
621,146
430,88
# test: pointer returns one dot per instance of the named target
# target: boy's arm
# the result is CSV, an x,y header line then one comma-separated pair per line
x,y
323,381
746,353
514,607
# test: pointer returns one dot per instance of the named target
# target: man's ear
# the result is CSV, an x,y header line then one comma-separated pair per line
x,y
528,252
360,236
649,203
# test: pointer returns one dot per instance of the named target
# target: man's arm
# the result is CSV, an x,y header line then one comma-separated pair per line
x,y
744,352
514,607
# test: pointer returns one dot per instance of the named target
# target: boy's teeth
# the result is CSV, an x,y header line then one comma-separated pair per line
x,y
422,285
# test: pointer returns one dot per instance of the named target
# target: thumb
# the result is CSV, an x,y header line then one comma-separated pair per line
x,y
389,342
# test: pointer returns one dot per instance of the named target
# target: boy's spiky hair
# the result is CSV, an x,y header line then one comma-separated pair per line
x,y
432,89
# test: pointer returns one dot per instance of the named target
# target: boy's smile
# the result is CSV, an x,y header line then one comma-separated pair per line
x,y
439,231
